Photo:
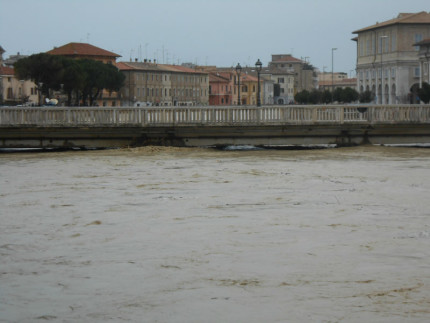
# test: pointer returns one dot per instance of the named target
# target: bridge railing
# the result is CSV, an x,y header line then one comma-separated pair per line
x,y
235,115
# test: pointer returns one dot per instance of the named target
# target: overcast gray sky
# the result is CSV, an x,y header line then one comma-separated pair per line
x,y
212,32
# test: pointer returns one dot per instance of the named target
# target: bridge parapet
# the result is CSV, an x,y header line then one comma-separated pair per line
x,y
213,116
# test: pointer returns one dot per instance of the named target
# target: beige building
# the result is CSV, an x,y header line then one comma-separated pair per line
x,y
387,60
304,74
152,84
14,91
283,83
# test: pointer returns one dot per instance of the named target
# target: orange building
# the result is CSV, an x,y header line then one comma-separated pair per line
x,y
220,88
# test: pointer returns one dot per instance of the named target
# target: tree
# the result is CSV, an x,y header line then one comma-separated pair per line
x,y
99,76
349,95
315,96
424,93
41,68
83,77
366,97
302,97
326,97
338,95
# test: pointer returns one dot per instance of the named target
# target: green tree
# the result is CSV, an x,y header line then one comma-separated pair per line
x,y
302,97
315,96
85,78
424,93
99,76
41,68
338,95
349,95
326,97
366,97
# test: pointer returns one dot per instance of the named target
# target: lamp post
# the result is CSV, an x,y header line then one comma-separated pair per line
x,y
332,75
39,92
238,71
258,66
382,76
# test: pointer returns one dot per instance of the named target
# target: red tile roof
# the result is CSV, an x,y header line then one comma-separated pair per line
x,y
4,70
81,49
215,77
248,78
403,18
288,58
142,66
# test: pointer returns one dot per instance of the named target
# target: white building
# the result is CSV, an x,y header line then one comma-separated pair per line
x,y
387,60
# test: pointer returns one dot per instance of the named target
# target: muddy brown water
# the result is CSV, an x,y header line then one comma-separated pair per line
x,y
198,235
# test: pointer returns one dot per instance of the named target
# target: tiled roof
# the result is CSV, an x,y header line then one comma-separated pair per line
x,y
213,77
81,49
4,70
287,58
142,66
124,67
403,18
179,68
248,78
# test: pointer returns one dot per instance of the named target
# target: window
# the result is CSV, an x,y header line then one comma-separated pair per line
x,y
393,43
416,72
368,47
393,72
417,38
280,80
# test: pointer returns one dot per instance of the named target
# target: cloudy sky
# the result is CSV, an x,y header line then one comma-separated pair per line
x,y
206,32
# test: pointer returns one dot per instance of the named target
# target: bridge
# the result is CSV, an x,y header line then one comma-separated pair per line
x,y
103,127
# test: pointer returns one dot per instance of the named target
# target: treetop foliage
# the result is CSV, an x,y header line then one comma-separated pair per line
x,y
84,78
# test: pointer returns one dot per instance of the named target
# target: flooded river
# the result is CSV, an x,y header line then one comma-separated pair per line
x,y
199,235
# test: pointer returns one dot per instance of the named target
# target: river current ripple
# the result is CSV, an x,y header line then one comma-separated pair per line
x,y
199,235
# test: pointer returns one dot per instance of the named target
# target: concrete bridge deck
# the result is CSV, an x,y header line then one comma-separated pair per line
x,y
102,127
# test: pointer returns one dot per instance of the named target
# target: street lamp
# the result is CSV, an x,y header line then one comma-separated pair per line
x,y
258,66
39,92
382,77
332,75
238,71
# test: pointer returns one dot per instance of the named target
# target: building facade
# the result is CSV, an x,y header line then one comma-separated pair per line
x,y
220,88
283,85
387,59
12,90
424,59
305,77
151,84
